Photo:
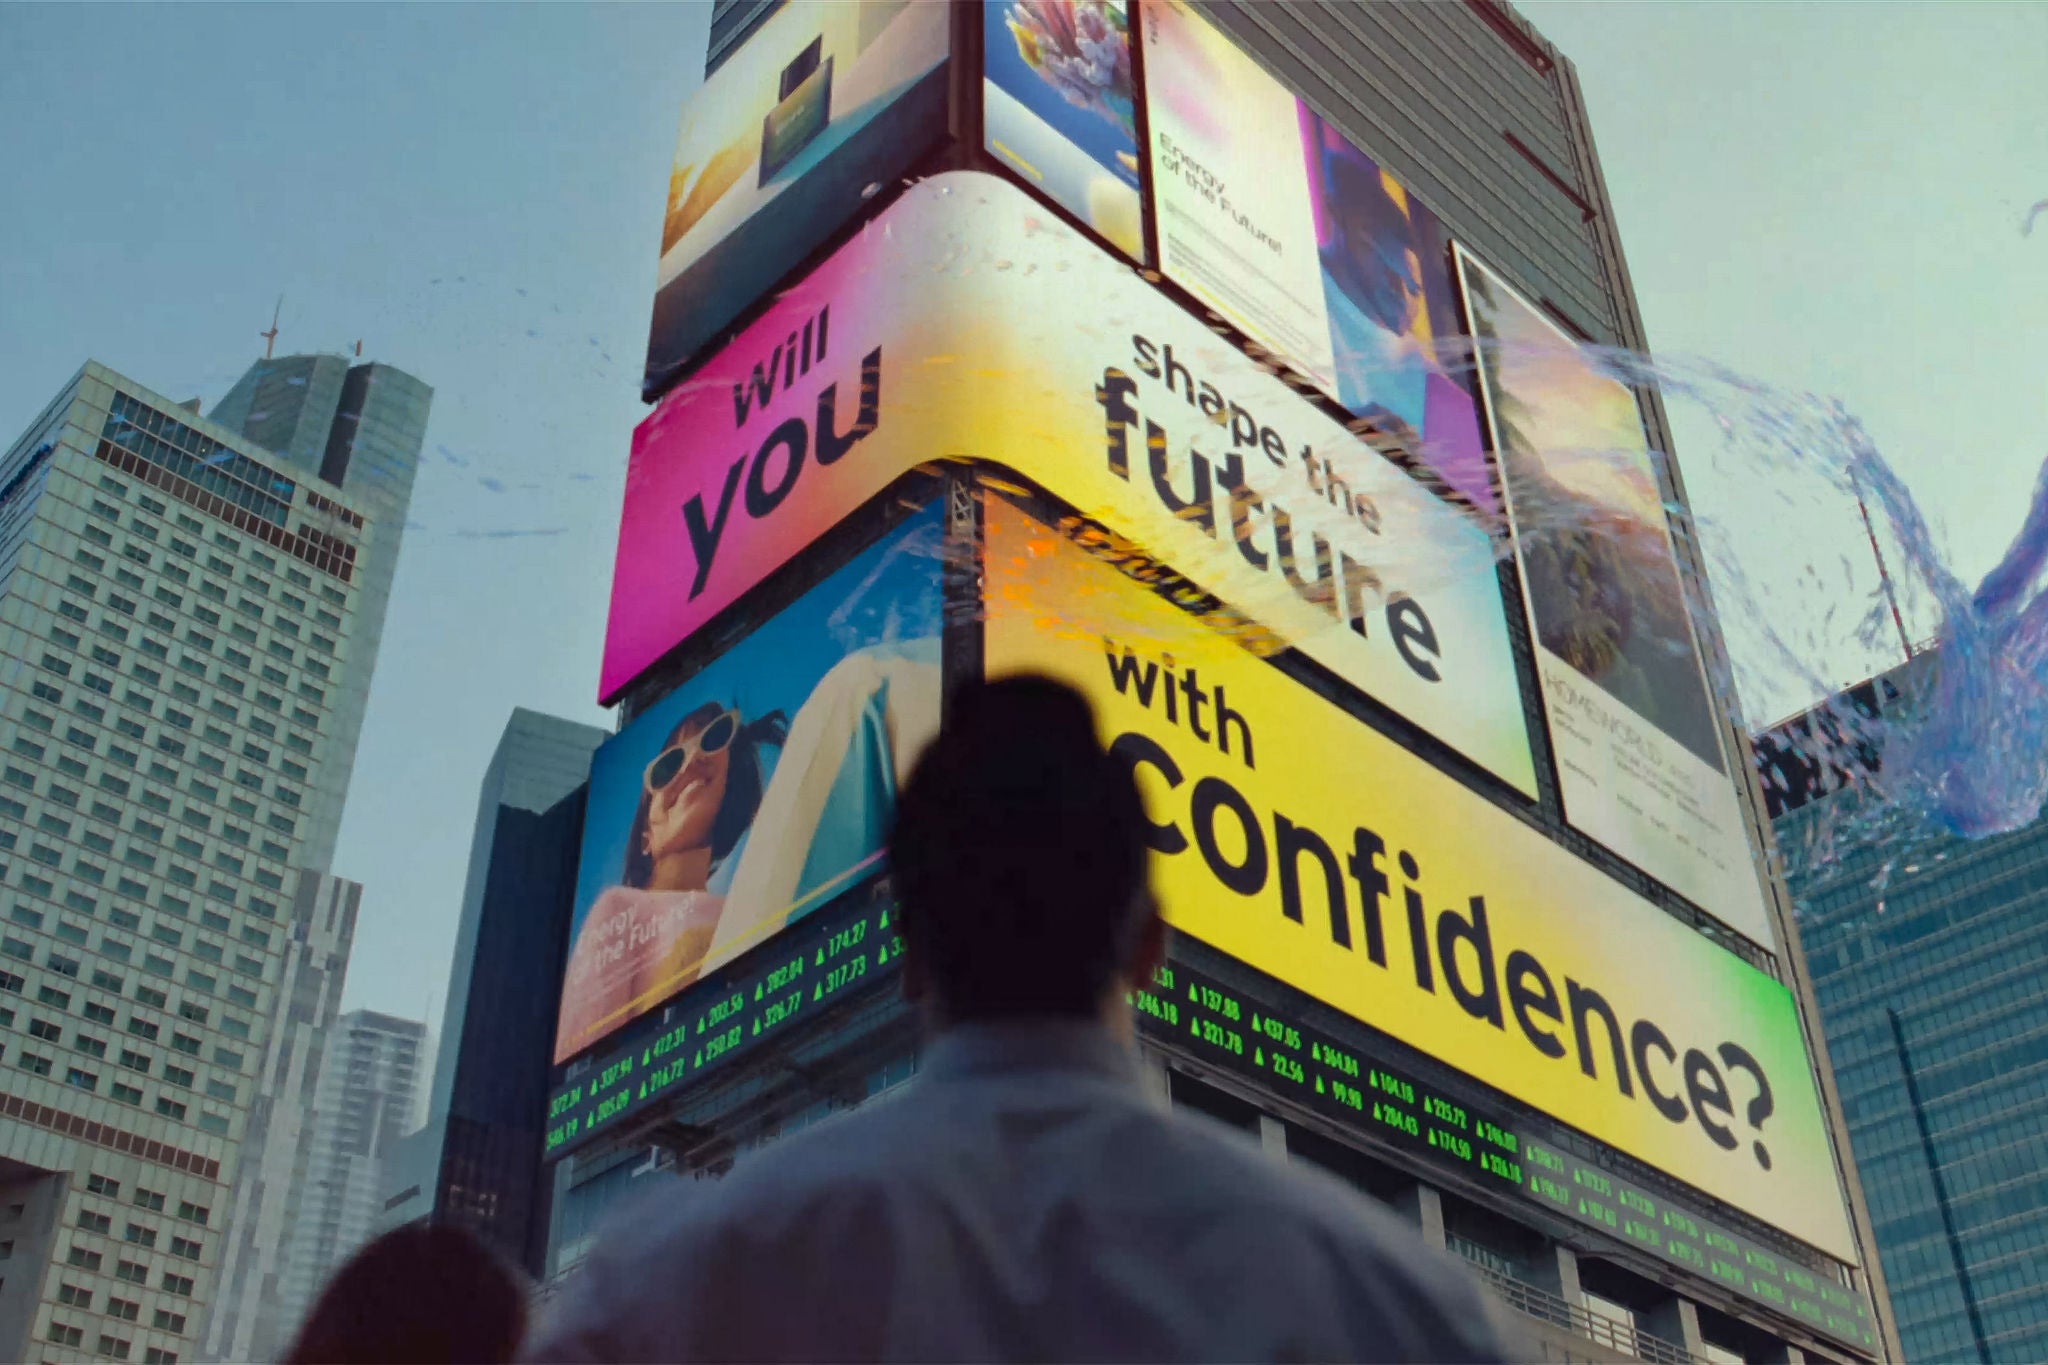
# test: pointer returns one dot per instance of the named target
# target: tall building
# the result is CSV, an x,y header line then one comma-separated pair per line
x,y
477,1162
185,623
358,427
368,1097
1928,976
247,1316
1467,866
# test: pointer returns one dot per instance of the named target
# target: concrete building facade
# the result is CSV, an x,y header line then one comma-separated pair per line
x,y
181,613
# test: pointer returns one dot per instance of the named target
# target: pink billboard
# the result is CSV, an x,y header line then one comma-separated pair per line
x,y
711,502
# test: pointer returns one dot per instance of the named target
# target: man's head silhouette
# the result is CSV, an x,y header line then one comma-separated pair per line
x,y
1019,857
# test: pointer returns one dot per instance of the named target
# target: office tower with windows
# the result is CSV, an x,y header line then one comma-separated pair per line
x,y
1928,973
359,428
278,1140
477,1162
368,1096
181,615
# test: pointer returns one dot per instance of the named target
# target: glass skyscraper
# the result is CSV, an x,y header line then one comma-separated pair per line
x,y
477,1162
359,428
188,621
370,1093
1928,970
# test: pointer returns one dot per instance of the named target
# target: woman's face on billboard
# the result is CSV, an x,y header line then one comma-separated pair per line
x,y
682,809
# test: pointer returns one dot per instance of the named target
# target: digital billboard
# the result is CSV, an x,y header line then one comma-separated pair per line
x,y
825,102
1459,1129
1273,218
1059,108
757,791
1635,731
963,323
1292,837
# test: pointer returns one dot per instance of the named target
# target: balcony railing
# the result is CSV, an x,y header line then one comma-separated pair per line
x,y
1598,1327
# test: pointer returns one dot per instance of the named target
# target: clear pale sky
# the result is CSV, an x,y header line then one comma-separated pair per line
x,y
1827,196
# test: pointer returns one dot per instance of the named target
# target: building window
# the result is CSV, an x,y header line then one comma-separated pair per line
x,y
113,1348
167,1321
125,1309
144,1237
157,1355
170,1108
134,1272
187,1248
64,1334
177,1284
95,1222
127,1094
84,1259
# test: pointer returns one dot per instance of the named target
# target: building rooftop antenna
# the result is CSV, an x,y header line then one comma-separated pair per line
x,y
1884,576
270,337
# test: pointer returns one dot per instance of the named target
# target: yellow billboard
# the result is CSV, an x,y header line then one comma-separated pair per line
x,y
965,323
1293,837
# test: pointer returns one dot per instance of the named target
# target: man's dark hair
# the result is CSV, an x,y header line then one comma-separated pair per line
x,y
416,1293
1019,855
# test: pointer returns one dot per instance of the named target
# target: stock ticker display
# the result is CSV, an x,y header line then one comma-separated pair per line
x,y
841,952
1463,1134
819,959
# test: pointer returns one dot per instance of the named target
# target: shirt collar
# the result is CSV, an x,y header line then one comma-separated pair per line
x,y
1024,1045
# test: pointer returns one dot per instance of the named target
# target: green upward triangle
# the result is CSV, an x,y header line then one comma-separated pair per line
x,y
885,919
818,992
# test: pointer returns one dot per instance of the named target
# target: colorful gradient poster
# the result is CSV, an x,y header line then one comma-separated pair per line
x,y
1413,904
1273,218
756,792
780,147
1635,731
1058,108
966,324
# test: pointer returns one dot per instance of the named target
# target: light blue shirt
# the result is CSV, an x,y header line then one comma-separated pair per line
x,y
1022,1199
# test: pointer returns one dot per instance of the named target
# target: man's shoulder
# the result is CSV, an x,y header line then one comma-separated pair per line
x,y
839,1157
